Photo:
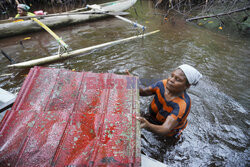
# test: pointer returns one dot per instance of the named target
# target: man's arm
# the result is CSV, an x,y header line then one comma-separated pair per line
x,y
163,129
145,91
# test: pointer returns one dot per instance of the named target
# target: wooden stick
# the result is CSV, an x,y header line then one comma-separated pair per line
x,y
98,8
79,9
75,52
131,22
220,14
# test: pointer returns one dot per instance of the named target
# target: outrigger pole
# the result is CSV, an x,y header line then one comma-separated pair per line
x,y
65,46
75,52
98,8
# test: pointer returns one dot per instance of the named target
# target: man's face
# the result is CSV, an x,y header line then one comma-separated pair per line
x,y
21,12
177,82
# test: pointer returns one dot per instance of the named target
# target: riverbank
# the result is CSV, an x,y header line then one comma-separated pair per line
x,y
228,17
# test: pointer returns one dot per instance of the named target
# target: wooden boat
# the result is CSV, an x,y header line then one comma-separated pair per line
x,y
15,28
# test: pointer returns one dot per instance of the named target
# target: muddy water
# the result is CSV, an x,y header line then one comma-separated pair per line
x,y
218,129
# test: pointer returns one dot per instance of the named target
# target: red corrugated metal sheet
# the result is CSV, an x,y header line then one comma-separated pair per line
x,y
63,118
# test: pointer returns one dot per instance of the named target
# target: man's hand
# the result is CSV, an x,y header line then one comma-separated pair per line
x,y
128,73
144,123
163,129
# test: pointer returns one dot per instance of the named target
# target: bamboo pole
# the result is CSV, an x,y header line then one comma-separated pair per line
x,y
75,52
131,22
51,33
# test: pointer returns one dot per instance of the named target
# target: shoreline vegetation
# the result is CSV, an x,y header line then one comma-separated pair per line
x,y
220,15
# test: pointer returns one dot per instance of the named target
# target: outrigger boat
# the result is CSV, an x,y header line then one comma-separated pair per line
x,y
58,20
105,8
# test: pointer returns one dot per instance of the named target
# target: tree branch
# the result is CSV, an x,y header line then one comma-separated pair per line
x,y
220,14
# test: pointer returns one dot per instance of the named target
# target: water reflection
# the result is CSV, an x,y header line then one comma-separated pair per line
x,y
217,133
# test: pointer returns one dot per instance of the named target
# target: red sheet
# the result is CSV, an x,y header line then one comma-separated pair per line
x,y
63,118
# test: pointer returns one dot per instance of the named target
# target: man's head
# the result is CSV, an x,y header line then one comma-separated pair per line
x,y
22,9
177,82
181,78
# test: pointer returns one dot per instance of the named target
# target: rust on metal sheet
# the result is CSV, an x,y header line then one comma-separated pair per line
x,y
66,118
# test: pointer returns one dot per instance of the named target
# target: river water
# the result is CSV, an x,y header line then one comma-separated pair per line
x,y
218,129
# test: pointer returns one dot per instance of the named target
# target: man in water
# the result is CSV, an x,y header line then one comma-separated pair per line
x,y
171,104
22,10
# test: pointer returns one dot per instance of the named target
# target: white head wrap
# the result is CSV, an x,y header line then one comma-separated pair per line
x,y
193,76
